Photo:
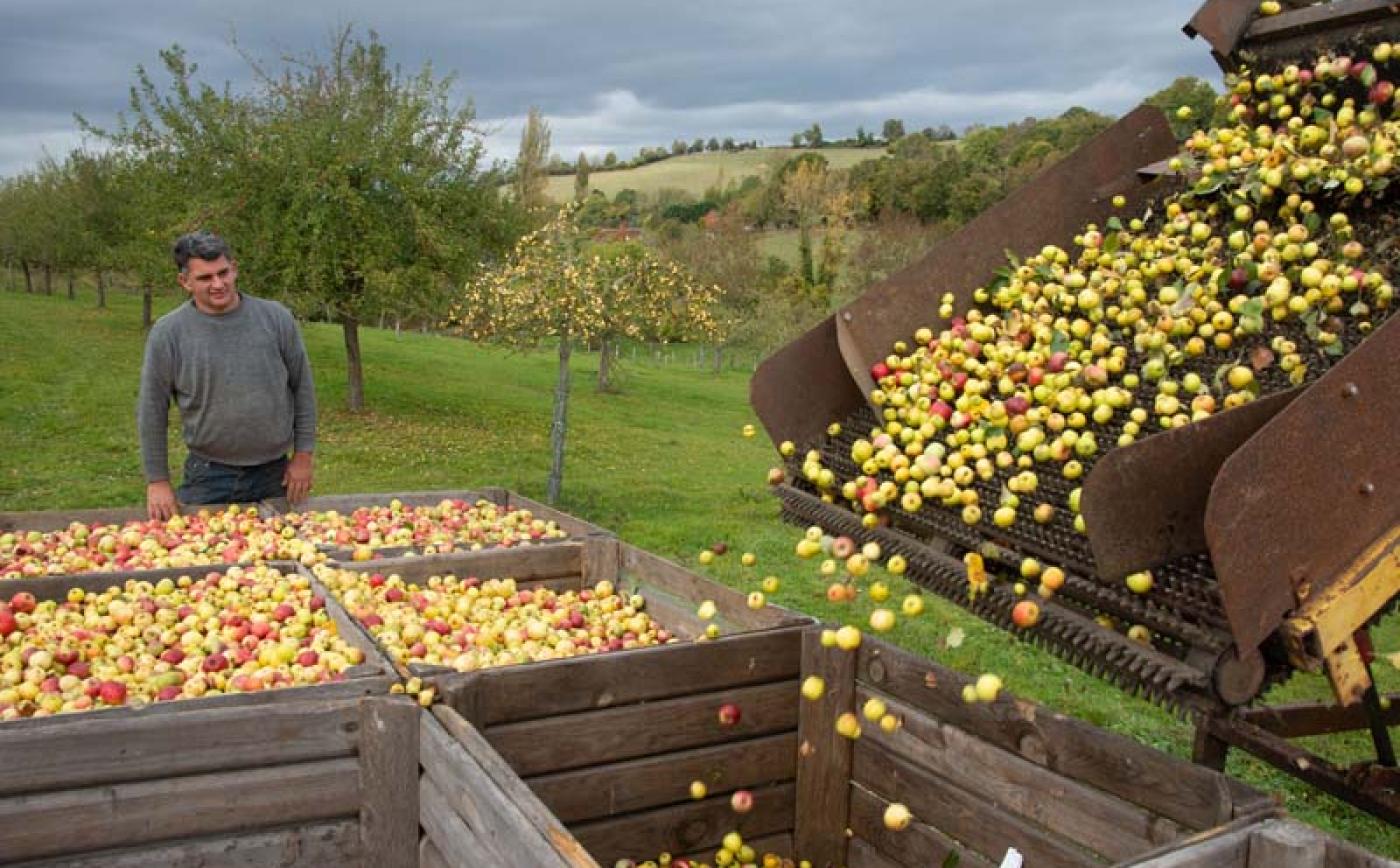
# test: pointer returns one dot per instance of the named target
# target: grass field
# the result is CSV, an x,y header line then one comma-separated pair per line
x,y
663,464
695,173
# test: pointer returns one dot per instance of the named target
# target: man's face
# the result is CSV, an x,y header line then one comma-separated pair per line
x,y
211,284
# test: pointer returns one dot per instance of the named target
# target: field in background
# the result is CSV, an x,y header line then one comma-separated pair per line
x,y
696,173
662,463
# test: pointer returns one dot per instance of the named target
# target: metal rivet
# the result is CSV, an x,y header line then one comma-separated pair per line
x,y
1350,390
1367,489
846,315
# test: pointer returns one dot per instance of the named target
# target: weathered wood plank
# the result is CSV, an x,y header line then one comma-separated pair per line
x,y
918,845
959,814
591,738
1109,826
389,781
522,563
429,856
634,785
308,846
453,839
1286,845
649,569
1196,797
106,750
555,687
98,818
601,559
1297,719
489,811
824,764
686,828
862,854
1313,19
515,790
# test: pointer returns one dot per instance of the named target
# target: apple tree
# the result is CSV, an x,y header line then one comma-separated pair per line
x,y
558,287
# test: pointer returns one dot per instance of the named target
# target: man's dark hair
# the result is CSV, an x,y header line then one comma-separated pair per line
x,y
205,245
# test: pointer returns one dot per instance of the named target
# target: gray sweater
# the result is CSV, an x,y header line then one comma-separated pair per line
x,y
241,380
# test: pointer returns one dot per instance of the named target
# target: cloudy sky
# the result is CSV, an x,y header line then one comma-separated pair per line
x,y
621,74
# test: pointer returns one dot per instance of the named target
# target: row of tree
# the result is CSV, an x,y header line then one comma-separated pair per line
x,y
348,187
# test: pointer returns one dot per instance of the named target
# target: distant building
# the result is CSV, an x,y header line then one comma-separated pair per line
x,y
618,233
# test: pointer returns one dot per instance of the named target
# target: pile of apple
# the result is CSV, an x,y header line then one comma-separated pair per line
x,y
467,624
243,630
1253,278
450,525
230,536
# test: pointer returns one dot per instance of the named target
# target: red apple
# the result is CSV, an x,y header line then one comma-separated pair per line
x,y
741,801
729,714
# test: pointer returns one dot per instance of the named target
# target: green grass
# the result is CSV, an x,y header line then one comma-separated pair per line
x,y
695,173
663,464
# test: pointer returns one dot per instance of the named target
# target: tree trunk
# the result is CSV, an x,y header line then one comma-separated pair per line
x,y
559,428
72,293
147,303
719,357
28,277
806,267
605,356
48,279
355,396
101,289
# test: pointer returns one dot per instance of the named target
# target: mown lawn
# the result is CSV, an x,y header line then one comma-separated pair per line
x,y
663,464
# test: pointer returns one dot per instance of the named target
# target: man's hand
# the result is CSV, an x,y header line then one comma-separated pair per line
x,y
297,479
160,500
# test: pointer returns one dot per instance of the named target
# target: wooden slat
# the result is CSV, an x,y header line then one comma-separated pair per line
x,y
1231,838
1196,797
687,827
634,785
512,788
97,818
1101,822
429,856
389,781
491,813
349,689
824,764
526,562
308,846
1286,845
112,750
514,693
649,569
1297,719
959,814
451,837
590,738
862,854
601,559
915,846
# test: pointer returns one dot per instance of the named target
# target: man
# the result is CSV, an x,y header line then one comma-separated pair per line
x,y
236,367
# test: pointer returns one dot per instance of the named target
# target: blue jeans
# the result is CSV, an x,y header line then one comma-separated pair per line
x,y
212,482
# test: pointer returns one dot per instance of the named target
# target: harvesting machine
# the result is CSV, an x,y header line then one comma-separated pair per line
x,y
1271,531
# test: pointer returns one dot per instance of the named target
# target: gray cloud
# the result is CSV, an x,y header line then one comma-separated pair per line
x,y
621,74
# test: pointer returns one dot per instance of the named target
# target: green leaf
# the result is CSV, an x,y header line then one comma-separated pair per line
x,y
1252,308
1115,224
954,858
1313,221
1334,349
1060,342
1368,75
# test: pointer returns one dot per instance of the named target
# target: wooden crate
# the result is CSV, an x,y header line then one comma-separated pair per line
x,y
672,593
252,783
608,745
499,496
374,675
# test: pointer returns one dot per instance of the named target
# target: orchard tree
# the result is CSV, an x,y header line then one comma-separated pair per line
x,y
581,171
557,288
532,163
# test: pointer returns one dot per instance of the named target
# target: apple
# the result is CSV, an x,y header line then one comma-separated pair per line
x,y
729,714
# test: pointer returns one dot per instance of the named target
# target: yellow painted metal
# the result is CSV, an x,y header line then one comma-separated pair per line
x,y
1321,632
